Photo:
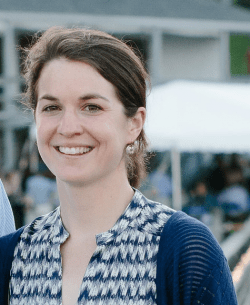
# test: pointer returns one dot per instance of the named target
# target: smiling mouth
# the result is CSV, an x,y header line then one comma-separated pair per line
x,y
74,150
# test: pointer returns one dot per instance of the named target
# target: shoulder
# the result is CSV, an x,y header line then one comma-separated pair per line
x,y
41,226
184,227
191,263
153,215
7,246
8,241
188,237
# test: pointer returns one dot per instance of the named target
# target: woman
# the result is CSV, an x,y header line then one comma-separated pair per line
x,y
106,244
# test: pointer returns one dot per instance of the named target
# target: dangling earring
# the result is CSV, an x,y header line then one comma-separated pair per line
x,y
130,149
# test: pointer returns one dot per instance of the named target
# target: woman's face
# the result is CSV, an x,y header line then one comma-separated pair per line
x,y
81,126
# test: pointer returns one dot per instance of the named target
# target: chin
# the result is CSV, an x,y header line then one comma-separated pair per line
x,y
77,180
72,179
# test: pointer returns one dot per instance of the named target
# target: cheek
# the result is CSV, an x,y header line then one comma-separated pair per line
x,y
40,146
110,136
40,135
115,130
43,136
107,125
39,127
102,129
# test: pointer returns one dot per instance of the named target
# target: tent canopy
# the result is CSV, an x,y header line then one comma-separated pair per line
x,y
197,116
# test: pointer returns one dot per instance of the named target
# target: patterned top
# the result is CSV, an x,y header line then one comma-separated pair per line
x,y
121,271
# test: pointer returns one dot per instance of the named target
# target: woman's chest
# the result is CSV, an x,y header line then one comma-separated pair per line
x,y
122,272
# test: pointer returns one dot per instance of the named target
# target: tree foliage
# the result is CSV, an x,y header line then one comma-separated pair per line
x,y
243,3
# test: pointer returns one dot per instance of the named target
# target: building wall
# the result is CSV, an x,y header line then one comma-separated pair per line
x,y
190,58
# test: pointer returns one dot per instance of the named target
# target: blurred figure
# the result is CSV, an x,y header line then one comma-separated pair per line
x,y
234,198
161,184
12,184
201,202
41,189
192,166
234,202
7,224
216,178
234,171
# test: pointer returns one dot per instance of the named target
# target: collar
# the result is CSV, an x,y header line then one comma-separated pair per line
x,y
127,219
58,233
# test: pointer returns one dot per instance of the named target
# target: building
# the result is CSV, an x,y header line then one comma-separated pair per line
x,y
187,39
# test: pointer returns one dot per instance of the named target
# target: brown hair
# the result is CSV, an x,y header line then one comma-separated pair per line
x,y
112,58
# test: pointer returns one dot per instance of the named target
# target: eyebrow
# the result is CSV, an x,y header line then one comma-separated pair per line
x,y
93,96
48,97
82,98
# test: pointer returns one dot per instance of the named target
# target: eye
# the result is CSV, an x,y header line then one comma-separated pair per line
x,y
92,108
50,108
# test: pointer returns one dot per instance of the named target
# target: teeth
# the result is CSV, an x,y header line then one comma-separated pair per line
x,y
74,150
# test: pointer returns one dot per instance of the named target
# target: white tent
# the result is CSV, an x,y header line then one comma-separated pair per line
x,y
196,116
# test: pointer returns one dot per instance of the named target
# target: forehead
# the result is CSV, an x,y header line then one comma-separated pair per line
x,y
62,67
61,74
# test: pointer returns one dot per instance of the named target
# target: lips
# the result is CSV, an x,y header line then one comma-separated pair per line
x,y
74,150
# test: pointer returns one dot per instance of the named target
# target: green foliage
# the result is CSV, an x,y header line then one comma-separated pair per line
x,y
239,46
244,3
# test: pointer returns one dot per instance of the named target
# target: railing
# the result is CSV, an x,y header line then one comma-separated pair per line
x,y
237,251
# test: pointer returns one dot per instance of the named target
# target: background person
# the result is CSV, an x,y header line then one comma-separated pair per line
x,y
12,184
161,184
107,243
41,189
7,224
234,197
201,202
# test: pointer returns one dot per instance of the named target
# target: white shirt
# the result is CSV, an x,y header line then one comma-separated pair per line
x,y
41,189
235,194
7,224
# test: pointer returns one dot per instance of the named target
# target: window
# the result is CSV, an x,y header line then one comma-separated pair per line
x,y
240,54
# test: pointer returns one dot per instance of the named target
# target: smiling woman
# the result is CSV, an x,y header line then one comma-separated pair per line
x,y
106,243
78,110
111,59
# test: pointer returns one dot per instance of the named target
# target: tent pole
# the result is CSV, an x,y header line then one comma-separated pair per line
x,y
176,179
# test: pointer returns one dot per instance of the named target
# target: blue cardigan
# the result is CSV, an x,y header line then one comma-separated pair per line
x,y
191,267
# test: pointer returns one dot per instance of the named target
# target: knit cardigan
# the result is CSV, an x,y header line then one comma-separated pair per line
x,y
191,267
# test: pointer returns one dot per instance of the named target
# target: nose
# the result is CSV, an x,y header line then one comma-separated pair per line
x,y
70,125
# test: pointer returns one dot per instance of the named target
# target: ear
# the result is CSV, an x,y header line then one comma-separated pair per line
x,y
136,124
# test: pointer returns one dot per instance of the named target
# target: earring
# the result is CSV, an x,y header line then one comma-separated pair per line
x,y
130,149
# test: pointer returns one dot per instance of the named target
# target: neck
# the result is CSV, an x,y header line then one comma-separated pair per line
x,y
94,208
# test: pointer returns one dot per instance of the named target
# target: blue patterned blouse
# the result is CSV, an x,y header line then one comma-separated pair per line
x,y
121,271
